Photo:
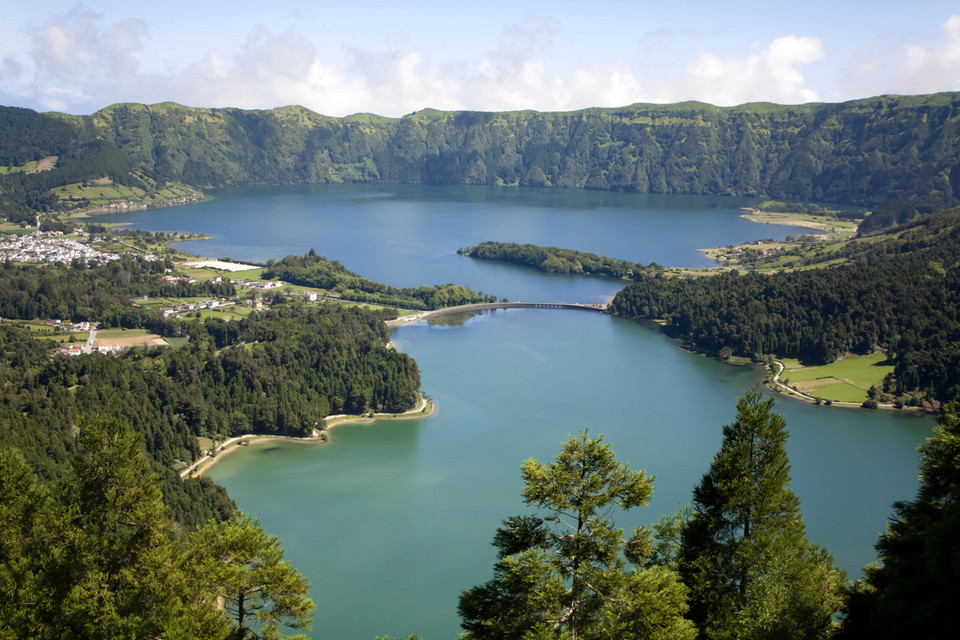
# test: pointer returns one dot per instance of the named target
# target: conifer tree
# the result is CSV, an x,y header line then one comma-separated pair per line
x,y
94,559
120,560
915,589
563,575
25,518
238,565
744,554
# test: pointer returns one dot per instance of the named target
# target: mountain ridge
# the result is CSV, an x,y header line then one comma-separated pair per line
x,y
863,152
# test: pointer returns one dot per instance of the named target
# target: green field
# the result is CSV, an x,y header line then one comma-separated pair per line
x,y
234,312
202,273
42,331
846,380
249,274
110,334
99,194
30,166
170,302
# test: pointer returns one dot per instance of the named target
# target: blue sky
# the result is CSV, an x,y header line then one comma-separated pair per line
x,y
395,57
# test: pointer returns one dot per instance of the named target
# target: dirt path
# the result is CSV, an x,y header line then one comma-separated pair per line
x,y
779,387
46,164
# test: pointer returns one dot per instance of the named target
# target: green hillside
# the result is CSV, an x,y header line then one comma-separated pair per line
x,y
898,291
864,152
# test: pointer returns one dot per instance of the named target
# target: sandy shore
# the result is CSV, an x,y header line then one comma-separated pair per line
x,y
809,224
424,409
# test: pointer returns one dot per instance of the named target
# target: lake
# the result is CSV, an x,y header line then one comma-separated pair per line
x,y
391,520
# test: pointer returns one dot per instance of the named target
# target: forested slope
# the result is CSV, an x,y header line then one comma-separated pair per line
x,y
899,291
865,151
861,152
311,270
280,372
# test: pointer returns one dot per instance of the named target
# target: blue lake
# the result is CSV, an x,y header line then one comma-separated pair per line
x,y
391,520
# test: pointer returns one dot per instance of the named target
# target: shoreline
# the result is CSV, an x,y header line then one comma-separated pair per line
x,y
774,385
794,219
424,409
756,215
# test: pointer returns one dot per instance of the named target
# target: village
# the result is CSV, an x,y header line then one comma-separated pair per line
x,y
85,337
51,247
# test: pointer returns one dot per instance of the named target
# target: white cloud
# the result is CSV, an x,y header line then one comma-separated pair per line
x,y
772,75
10,69
906,67
81,61
924,67
74,49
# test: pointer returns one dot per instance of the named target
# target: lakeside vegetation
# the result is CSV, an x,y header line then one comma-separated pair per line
x,y
897,292
890,295
556,260
311,270
274,372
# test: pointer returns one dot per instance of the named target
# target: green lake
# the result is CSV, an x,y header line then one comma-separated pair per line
x,y
391,520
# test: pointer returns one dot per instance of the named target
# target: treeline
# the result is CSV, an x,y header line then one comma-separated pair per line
x,y
864,152
811,208
900,293
311,270
278,373
556,260
28,135
79,292
97,555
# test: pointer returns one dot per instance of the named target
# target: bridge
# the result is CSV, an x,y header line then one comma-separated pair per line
x,y
467,308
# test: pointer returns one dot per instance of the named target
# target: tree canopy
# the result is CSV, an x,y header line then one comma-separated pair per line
x,y
99,557
744,554
912,591
564,574
899,291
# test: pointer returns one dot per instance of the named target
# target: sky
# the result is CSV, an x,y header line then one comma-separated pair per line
x,y
393,58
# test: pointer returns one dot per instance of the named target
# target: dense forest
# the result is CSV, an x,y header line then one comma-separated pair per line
x,y
311,270
556,260
97,555
899,291
279,372
98,293
863,152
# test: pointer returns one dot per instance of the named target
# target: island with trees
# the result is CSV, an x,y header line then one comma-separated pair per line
x,y
556,260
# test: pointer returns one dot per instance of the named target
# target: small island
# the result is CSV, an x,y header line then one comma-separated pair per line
x,y
556,260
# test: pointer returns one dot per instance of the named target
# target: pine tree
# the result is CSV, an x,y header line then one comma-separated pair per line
x,y
915,590
120,562
563,575
744,552
95,558
26,515
239,565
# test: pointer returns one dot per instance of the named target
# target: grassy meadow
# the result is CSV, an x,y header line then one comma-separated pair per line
x,y
846,380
